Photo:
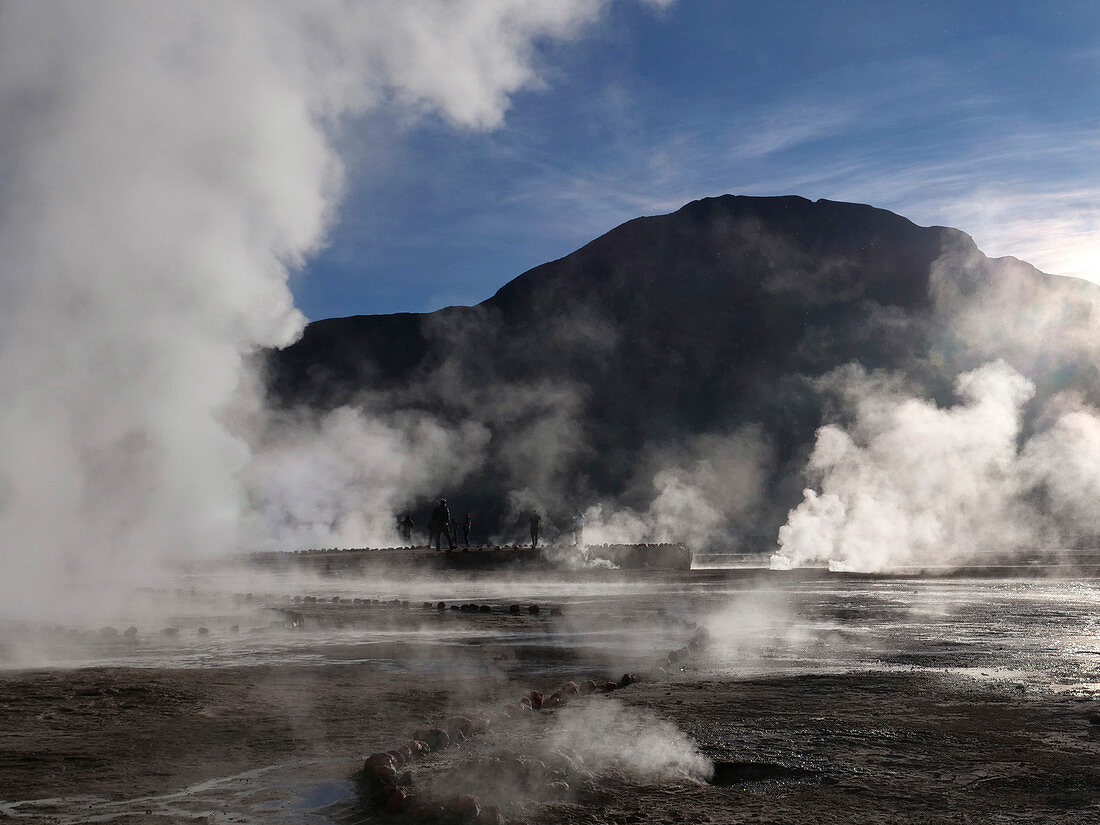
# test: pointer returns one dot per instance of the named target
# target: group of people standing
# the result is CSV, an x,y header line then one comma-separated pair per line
x,y
442,525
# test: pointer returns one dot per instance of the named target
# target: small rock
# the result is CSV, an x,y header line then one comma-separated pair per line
x,y
380,774
460,725
464,806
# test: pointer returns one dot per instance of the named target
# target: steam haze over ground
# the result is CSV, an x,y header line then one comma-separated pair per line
x,y
260,289
157,192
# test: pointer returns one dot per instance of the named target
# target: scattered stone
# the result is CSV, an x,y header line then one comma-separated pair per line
x,y
380,774
399,759
380,759
436,738
481,722
513,608
464,806
170,631
441,606
627,680
204,631
533,610
460,726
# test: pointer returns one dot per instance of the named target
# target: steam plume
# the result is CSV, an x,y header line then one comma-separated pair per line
x,y
163,167
908,483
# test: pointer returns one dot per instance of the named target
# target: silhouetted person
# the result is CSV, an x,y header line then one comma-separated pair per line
x,y
466,530
536,523
578,529
406,524
440,525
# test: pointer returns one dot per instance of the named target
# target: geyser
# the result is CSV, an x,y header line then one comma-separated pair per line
x,y
163,167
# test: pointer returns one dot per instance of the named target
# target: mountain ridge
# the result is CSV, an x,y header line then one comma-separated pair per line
x,y
668,329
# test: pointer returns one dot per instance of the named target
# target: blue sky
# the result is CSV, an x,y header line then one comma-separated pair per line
x,y
980,115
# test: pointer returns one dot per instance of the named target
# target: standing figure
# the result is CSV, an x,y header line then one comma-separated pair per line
x,y
466,530
406,524
439,526
536,523
578,529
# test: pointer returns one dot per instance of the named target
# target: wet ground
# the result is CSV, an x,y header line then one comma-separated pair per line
x,y
819,698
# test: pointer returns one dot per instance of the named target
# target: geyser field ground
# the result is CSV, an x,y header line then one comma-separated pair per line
x,y
822,698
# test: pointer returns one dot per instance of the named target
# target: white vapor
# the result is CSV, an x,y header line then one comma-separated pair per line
x,y
163,166
906,483
702,494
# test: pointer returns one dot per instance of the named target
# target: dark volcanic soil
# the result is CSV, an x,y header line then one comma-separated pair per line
x,y
869,747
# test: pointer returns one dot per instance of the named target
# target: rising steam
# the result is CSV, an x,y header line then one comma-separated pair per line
x,y
908,483
163,166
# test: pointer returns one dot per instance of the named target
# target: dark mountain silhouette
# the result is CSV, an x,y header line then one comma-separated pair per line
x,y
588,371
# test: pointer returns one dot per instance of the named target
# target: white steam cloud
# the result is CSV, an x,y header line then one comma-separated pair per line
x,y
633,741
702,495
162,167
910,484
342,480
